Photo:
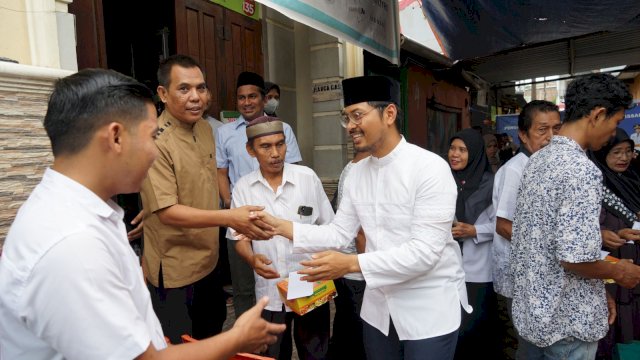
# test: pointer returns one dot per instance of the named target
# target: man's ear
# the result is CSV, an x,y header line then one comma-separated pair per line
x,y
523,137
114,133
162,92
390,114
250,150
597,115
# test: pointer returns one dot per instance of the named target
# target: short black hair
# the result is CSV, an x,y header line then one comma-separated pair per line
x,y
381,105
83,102
270,85
164,69
588,92
525,118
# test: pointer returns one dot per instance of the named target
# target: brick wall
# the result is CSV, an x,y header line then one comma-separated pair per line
x,y
24,147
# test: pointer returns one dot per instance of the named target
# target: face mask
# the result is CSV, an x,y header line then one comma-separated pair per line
x,y
271,106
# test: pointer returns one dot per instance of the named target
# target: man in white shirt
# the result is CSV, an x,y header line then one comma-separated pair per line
x,y
71,287
295,193
233,162
404,199
538,121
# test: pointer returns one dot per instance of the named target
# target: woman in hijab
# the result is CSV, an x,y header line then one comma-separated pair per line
x,y
491,148
618,216
473,227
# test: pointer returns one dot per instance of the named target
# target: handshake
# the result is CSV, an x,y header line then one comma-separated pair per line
x,y
253,223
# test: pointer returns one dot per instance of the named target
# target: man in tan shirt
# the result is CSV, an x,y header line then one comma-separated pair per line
x,y
180,198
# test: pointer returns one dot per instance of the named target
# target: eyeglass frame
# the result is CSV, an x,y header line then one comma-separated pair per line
x,y
346,118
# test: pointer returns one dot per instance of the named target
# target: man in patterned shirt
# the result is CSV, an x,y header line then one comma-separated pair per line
x,y
559,303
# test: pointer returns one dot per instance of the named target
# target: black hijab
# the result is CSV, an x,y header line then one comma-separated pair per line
x,y
625,186
475,179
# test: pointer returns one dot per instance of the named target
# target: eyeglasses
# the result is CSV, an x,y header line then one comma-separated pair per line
x,y
621,154
354,116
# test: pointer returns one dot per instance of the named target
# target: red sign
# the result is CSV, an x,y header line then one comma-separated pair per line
x,y
249,7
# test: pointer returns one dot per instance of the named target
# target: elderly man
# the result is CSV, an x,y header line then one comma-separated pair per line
x,y
404,198
71,287
559,300
284,189
538,121
233,162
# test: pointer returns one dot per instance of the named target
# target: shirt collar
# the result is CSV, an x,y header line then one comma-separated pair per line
x,y
242,121
167,117
287,176
566,141
390,157
83,195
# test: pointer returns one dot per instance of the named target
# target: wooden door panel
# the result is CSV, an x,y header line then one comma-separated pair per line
x,y
225,44
209,58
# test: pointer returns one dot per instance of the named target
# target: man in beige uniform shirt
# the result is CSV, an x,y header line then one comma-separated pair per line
x,y
180,198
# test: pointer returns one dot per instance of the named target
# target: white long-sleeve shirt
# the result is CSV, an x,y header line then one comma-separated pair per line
x,y
477,253
405,203
300,187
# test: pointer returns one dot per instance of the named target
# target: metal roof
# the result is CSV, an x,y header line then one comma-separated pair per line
x,y
567,56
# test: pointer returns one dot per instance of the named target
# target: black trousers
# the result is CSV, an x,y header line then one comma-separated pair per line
x,y
479,330
390,347
198,309
346,340
310,333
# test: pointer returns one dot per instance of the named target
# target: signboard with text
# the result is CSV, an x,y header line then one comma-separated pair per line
x,y
373,24
245,7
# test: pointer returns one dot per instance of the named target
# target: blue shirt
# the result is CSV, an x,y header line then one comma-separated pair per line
x,y
231,149
557,220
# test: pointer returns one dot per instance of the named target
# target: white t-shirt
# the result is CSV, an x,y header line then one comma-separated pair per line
x,y
71,287
405,203
300,187
505,193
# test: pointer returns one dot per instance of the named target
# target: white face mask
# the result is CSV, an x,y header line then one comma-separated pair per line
x,y
271,106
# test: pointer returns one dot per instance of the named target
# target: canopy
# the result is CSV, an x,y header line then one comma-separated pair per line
x,y
475,28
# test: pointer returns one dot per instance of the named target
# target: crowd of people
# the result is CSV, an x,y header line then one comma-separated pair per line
x,y
422,249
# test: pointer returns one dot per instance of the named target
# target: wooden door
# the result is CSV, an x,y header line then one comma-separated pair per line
x,y
225,43
91,49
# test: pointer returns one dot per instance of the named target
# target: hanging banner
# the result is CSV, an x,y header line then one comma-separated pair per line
x,y
372,24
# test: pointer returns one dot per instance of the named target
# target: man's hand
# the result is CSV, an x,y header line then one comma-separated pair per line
x,y
137,231
254,228
329,265
278,226
629,234
628,274
611,240
611,305
255,332
261,267
463,230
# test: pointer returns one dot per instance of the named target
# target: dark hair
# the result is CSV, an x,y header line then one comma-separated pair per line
x,y
588,92
269,85
525,119
381,105
164,69
83,102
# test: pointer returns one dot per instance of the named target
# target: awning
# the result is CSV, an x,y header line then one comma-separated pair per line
x,y
470,29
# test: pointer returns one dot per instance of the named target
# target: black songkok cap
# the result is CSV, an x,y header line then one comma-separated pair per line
x,y
263,126
250,78
370,88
